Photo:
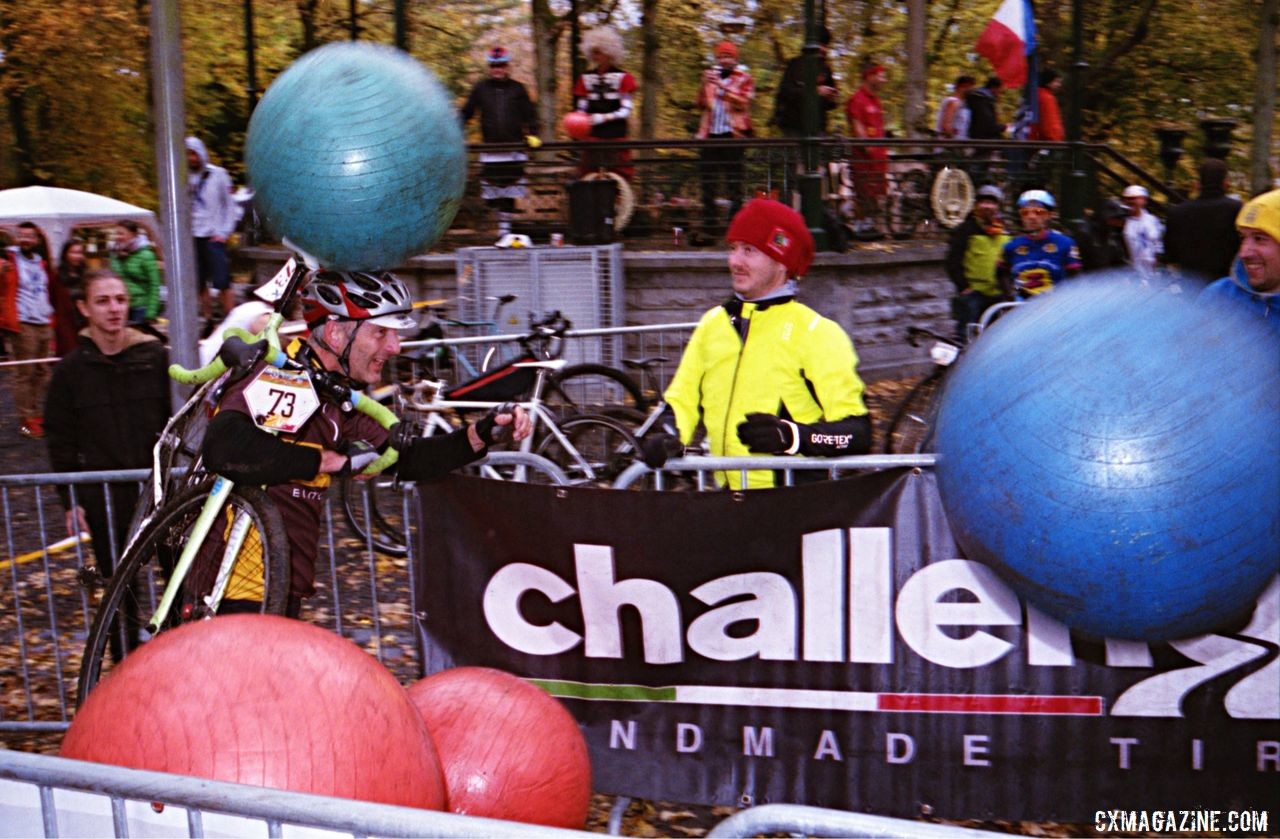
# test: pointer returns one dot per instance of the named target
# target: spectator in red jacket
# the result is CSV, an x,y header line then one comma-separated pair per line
x,y
1049,127
870,163
27,291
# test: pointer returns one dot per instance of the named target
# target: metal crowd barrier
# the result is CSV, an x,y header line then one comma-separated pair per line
x,y
45,615
46,612
799,820
52,796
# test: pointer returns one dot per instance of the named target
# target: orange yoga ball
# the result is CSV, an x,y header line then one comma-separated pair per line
x,y
509,750
263,700
577,125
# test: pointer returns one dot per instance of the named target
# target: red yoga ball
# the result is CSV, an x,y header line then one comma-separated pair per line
x,y
263,700
509,750
577,125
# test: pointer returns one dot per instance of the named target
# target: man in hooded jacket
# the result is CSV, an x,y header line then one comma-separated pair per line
x,y
213,219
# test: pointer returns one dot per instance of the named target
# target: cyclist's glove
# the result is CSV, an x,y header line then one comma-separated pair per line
x,y
656,448
359,455
235,353
402,434
488,429
767,434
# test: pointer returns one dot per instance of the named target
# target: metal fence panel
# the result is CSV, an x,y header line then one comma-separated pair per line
x,y
50,796
584,283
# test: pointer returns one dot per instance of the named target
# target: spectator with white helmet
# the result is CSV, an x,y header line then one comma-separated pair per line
x,y
1041,257
763,373
353,319
1143,232
1254,281
973,253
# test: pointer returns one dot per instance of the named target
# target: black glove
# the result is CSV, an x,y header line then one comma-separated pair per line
x,y
235,353
402,435
656,448
766,434
359,455
488,430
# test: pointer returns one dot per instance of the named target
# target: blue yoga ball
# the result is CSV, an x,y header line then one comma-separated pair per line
x,y
1113,451
355,154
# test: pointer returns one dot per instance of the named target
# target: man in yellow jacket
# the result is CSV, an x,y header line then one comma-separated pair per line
x,y
762,373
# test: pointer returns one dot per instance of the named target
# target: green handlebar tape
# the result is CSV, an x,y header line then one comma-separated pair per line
x,y
384,417
210,371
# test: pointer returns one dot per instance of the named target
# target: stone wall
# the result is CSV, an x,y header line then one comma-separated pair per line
x,y
874,292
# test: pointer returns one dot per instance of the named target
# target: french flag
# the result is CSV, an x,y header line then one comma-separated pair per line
x,y
1009,38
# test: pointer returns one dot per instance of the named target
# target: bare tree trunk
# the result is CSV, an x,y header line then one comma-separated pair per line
x,y
546,35
307,15
913,117
1264,100
650,77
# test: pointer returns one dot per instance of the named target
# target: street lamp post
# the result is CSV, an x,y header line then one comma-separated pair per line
x,y
1217,137
1170,138
250,64
811,179
1076,183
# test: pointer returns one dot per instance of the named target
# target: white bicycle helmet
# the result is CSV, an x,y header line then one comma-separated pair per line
x,y
380,298
989,191
1037,196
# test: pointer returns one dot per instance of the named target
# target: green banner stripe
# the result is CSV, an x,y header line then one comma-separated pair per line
x,y
621,693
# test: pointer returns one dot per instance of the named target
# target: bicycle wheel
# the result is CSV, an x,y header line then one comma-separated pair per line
x,y
260,574
591,389
601,447
387,530
911,429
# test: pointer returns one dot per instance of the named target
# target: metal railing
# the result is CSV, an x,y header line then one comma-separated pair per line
x,y
46,608
687,185
51,796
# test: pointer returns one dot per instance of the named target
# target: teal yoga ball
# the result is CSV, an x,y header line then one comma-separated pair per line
x,y
356,155
1113,451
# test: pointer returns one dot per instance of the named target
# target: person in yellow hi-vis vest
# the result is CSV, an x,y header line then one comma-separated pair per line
x,y
762,373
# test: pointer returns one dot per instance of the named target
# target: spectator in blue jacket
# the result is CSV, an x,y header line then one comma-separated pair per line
x,y
1254,281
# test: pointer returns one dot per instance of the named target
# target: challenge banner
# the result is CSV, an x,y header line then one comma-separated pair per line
x,y
828,645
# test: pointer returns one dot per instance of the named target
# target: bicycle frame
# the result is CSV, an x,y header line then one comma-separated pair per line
x,y
534,406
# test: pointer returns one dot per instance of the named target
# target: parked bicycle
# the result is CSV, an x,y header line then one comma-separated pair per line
x,y
591,448
203,540
911,427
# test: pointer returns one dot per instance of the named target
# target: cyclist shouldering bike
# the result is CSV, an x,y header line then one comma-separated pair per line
x,y
271,428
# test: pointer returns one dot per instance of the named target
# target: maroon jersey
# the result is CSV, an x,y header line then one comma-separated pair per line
x,y
301,503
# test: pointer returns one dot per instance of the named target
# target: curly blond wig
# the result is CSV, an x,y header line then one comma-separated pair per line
x,y
605,39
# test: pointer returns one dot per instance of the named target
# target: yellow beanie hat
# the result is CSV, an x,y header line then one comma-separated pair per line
x,y
1262,213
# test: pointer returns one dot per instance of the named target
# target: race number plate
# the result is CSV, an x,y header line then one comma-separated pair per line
x,y
281,400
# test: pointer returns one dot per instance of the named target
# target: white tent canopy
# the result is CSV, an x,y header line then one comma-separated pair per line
x,y
59,211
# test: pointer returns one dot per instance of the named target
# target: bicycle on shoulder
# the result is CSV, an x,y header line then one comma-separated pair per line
x,y
211,541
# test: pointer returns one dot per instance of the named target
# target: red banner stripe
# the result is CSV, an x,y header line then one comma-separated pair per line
x,y
961,703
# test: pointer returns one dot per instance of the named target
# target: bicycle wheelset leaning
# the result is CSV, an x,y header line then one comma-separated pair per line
x,y
257,579
599,449
911,429
592,389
